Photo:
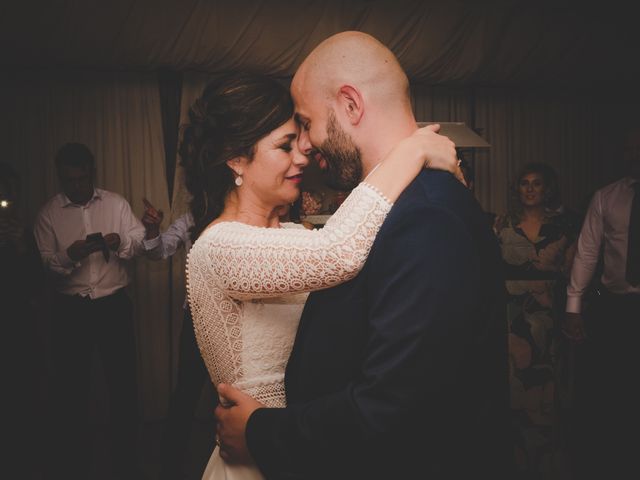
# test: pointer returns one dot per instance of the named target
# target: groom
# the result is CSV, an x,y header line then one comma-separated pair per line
x,y
404,368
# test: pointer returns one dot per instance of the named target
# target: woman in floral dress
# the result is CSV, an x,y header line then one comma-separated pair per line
x,y
537,242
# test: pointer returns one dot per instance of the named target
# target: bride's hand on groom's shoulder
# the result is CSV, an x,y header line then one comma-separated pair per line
x,y
232,415
439,151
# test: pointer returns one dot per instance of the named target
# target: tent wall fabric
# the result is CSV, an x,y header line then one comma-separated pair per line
x,y
540,81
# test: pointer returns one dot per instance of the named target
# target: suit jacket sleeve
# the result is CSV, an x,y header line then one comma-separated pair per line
x,y
418,296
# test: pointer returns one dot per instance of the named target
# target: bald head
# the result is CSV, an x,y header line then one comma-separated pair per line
x,y
358,59
352,100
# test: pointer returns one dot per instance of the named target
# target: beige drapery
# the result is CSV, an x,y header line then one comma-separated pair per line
x,y
577,133
192,86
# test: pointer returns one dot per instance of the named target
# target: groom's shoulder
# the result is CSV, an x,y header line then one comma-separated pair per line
x,y
437,198
433,189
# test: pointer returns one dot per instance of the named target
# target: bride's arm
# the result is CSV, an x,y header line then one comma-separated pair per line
x,y
252,262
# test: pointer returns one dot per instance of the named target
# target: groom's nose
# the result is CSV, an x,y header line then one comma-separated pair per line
x,y
304,142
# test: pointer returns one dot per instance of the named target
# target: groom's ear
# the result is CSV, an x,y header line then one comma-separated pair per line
x,y
351,103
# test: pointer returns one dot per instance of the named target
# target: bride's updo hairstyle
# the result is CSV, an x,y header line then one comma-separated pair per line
x,y
234,112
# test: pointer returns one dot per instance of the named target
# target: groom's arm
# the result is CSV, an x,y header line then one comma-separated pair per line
x,y
417,284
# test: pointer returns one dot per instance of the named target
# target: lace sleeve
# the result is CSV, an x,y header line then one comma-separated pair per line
x,y
252,262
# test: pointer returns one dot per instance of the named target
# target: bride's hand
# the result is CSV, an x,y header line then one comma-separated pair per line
x,y
438,151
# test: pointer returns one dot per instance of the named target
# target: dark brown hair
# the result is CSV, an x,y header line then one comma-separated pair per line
x,y
234,112
74,155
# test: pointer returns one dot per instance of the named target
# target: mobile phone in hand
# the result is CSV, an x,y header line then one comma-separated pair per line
x,y
97,238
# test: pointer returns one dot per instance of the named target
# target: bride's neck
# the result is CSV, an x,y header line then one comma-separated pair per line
x,y
244,209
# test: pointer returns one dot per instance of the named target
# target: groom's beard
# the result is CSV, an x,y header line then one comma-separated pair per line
x,y
344,164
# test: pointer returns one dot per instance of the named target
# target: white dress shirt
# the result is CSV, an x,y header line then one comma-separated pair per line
x,y
606,225
167,243
61,222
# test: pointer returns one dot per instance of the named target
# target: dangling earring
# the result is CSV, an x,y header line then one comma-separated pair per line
x,y
238,180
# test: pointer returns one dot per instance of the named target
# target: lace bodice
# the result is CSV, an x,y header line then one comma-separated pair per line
x,y
247,285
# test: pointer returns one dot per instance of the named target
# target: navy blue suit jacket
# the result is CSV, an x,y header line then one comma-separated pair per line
x,y
404,367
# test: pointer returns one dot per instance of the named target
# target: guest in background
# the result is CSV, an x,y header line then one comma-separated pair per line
x,y
21,290
192,373
606,325
87,237
537,245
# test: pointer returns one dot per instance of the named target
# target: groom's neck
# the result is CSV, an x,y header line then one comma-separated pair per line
x,y
381,139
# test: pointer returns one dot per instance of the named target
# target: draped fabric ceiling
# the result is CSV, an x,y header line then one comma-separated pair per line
x,y
494,42
543,81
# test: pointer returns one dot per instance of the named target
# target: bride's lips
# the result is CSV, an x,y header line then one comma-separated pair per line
x,y
295,178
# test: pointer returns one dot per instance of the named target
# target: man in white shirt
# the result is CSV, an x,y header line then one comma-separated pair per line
x,y
87,237
192,373
606,325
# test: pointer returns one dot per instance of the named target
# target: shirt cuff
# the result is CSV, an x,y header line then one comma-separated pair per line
x,y
151,244
574,305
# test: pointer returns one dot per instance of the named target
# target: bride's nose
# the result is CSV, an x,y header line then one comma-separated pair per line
x,y
299,159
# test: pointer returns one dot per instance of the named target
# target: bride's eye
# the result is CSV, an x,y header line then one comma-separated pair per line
x,y
286,147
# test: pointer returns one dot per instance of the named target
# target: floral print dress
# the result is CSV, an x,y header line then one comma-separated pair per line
x,y
536,273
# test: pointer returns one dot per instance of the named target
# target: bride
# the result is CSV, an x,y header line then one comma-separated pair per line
x,y
247,274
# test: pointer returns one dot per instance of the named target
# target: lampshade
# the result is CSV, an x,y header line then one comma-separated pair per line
x,y
460,134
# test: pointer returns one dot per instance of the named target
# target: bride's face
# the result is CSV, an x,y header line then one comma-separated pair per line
x,y
273,176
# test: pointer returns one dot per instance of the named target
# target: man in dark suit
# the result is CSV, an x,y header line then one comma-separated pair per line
x,y
401,372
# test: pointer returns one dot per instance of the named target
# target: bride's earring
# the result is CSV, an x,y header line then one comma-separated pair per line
x,y
238,180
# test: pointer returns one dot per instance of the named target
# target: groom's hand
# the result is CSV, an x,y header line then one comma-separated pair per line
x,y
232,415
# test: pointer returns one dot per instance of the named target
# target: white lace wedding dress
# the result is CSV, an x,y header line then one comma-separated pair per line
x,y
247,286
